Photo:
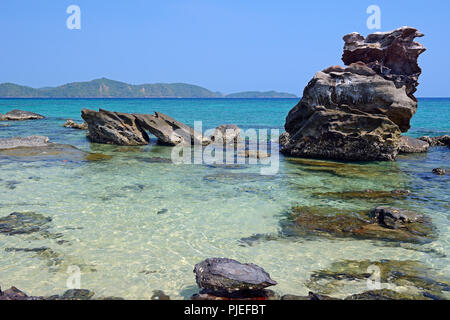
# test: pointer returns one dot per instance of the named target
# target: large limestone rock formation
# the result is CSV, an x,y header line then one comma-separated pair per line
x,y
358,112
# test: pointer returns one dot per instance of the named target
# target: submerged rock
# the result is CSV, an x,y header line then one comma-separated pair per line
x,y
37,148
399,279
20,142
358,113
23,223
72,124
253,154
411,145
386,294
73,294
237,295
366,194
397,225
222,274
310,296
15,294
159,295
20,115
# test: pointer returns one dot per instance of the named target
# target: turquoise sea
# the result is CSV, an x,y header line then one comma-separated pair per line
x,y
133,225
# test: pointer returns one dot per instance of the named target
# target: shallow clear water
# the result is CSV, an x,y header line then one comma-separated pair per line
x,y
134,226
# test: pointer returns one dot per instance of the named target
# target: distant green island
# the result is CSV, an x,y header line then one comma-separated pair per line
x,y
106,88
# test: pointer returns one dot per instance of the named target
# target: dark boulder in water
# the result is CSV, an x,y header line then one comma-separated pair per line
x,y
20,115
15,294
439,171
219,274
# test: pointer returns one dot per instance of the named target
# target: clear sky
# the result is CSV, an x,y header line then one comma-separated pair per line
x,y
223,45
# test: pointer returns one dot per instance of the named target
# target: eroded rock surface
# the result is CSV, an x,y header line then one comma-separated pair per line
x,y
392,54
131,129
113,128
72,124
358,112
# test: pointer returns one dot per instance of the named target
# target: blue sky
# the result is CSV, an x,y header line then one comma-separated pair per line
x,y
225,46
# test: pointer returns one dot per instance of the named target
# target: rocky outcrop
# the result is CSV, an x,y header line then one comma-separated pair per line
x,y
20,142
439,141
222,278
411,145
20,115
168,130
358,112
131,129
114,128
72,124
226,134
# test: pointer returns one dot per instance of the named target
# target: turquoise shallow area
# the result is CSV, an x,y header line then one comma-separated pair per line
x,y
134,225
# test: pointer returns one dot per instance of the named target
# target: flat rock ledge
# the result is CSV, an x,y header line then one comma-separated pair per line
x,y
131,129
20,115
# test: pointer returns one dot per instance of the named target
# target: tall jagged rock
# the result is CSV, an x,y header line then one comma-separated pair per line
x,y
358,112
